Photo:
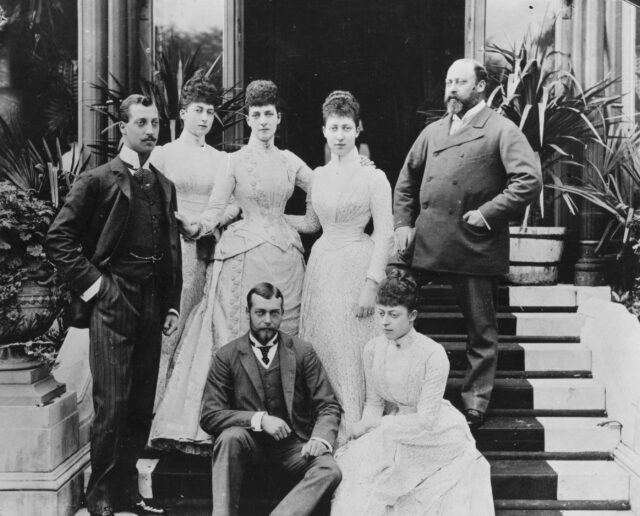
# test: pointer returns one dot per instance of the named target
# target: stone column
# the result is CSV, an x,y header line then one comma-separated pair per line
x,y
590,269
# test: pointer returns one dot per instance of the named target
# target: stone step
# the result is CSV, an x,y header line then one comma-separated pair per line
x,y
547,434
558,480
559,297
547,357
531,324
542,394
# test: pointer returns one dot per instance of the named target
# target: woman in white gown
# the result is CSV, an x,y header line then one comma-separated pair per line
x,y
263,246
195,168
346,264
420,459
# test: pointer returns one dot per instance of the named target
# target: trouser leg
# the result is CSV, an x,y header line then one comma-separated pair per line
x,y
233,449
319,477
112,333
476,296
145,363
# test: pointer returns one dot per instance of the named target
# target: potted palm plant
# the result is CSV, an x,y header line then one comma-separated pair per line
x,y
556,115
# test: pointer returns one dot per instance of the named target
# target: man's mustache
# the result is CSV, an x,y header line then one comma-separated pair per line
x,y
150,139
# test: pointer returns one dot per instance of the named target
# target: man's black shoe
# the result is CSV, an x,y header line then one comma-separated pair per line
x,y
143,508
475,418
106,511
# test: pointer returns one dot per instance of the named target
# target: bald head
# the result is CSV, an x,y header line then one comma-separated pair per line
x,y
465,85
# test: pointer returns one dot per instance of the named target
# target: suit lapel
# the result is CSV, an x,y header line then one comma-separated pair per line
x,y
287,369
248,361
166,187
467,133
123,176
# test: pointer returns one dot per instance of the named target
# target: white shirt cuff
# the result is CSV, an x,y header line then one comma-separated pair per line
x,y
256,421
92,290
174,312
323,441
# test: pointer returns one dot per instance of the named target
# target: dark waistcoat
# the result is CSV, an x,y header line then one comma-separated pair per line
x,y
272,385
143,252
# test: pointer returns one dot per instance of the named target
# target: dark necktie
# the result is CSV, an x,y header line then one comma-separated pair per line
x,y
144,176
265,353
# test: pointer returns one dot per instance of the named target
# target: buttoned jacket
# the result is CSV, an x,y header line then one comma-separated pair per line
x,y
487,165
234,390
89,228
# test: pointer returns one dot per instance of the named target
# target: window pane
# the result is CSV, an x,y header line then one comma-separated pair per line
x,y
190,28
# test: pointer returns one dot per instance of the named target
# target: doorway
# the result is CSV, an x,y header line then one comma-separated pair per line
x,y
392,55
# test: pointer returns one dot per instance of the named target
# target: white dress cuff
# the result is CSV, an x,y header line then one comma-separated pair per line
x,y
256,421
323,441
92,290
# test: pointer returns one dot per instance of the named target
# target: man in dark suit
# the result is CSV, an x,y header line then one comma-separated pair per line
x,y
464,179
268,399
116,241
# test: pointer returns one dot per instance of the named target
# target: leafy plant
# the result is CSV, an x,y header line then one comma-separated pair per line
x,y
46,173
556,114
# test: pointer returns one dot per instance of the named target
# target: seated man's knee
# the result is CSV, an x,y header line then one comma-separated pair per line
x,y
334,473
233,435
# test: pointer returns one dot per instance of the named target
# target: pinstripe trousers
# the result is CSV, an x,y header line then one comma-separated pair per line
x,y
125,337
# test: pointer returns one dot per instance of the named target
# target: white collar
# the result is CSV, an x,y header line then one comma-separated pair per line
x,y
130,157
472,112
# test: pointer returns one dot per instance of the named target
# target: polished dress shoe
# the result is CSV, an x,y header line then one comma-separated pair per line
x,y
143,507
106,511
475,418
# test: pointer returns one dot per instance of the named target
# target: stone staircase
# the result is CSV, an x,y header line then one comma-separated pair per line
x,y
546,436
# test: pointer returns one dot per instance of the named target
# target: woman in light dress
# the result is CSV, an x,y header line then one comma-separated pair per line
x,y
195,168
346,264
263,246
420,459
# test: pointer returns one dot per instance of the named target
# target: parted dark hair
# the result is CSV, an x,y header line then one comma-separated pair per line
x,y
199,88
126,104
261,92
343,104
399,288
267,291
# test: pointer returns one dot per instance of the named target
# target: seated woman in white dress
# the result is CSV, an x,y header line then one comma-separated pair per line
x,y
420,459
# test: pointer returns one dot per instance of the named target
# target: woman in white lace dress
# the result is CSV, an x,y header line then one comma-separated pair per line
x,y
420,459
195,168
263,246
346,264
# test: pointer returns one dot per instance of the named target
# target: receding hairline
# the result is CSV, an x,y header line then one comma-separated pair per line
x,y
475,66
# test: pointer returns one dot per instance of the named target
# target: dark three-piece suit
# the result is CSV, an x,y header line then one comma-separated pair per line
x,y
121,228
295,388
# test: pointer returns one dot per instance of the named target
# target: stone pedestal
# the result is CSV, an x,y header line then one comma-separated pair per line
x,y
41,461
590,270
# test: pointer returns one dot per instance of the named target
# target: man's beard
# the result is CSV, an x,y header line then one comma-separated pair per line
x,y
457,106
264,335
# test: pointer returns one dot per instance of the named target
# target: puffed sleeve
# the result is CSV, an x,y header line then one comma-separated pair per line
x,y
307,223
221,195
380,206
434,381
374,404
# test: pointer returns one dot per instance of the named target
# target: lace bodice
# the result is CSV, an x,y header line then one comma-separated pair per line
x,y
262,180
412,377
346,195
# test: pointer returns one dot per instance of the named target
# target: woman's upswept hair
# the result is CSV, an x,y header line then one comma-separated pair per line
x,y
261,93
399,288
342,104
199,88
